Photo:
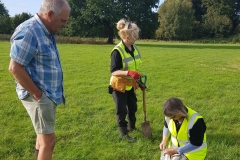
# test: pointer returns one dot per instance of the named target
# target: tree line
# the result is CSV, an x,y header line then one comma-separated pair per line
x,y
7,23
174,19
188,19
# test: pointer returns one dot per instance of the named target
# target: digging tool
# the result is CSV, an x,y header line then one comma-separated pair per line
x,y
145,125
142,81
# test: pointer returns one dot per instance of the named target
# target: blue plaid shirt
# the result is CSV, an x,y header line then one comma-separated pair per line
x,y
35,48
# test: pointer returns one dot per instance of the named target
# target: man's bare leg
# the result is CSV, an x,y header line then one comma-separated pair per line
x,y
46,143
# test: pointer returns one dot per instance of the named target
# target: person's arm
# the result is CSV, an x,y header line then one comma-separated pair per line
x,y
197,132
186,148
163,144
21,55
169,151
116,65
165,137
196,137
119,73
20,74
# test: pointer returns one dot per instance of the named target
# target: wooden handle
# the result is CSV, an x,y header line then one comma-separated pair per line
x,y
144,105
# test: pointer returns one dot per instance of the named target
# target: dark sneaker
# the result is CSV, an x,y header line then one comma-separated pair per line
x,y
130,139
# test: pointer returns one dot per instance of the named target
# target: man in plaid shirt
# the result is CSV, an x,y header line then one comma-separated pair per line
x,y
35,65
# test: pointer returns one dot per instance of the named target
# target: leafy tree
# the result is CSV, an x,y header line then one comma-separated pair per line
x,y
199,11
221,12
3,10
76,25
217,25
98,18
19,18
176,20
141,11
5,21
5,25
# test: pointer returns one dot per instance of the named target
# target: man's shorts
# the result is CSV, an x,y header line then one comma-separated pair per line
x,y
42,113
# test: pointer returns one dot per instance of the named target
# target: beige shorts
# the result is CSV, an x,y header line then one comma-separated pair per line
x,y
42,113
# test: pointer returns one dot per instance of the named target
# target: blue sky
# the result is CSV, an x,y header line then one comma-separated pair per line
x,y
18,6
28,6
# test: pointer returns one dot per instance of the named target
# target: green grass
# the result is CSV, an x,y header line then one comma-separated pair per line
x,y
205,76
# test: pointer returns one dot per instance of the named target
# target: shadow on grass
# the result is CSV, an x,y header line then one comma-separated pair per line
x,y
229,139
192,46
212,139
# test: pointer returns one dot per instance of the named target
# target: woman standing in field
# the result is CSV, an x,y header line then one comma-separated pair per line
x,y
187,130
125,61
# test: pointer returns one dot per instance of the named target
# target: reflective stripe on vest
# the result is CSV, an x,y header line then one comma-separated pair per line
x,y
127,58
191,122
198,153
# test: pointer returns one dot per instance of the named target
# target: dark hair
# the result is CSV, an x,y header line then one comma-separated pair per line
x,y
174,107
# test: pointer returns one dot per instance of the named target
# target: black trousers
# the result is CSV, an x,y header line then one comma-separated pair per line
x,y
126,106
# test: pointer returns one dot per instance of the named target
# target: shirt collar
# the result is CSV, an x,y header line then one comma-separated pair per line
x,y
42,25
127,50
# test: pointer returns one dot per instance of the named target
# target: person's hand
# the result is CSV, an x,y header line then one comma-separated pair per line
x,y
38,96
170,152
134,74
162,146
141,85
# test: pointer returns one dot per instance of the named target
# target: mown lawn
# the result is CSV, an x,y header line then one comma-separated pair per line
x,y
204,76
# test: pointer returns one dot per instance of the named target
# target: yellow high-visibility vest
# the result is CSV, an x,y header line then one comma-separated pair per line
x,y
182,137
128,62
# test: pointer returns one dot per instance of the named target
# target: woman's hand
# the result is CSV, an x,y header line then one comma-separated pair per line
x,y
162,146
134,74
171,151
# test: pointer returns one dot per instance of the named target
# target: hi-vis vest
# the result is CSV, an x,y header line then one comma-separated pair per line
x,y
128,63
182,137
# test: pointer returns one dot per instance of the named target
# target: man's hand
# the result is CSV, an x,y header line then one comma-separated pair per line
x,y
38,96
134,74
20,74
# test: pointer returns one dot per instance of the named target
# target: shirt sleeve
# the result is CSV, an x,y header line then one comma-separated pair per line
x,y
165,124
23,47
186,148
116,61
197,132
196,137
165,131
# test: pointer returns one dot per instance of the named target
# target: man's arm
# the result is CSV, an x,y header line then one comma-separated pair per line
x,y
20,74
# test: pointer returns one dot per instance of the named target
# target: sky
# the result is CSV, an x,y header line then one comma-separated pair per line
x,y
18,6
28,6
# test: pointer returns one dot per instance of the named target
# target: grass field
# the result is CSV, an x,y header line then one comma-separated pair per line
x,y
205,77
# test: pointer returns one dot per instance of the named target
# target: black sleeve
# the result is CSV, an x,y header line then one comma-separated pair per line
x,y
165,124
197,132
116,61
